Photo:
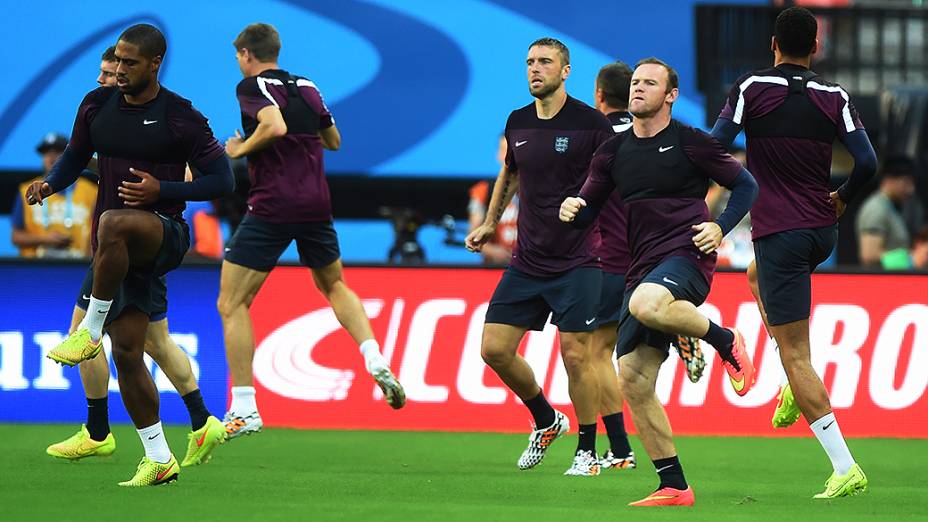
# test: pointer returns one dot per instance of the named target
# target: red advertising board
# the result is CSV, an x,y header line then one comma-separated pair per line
x,y
869,336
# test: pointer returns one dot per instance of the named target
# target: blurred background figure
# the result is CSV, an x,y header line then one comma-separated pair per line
x,y
920,250
61,227
883,236
498,251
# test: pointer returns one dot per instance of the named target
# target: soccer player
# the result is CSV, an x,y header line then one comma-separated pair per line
x,y
553,268
286,125
662,169
791,117
94,438
611,98
144,136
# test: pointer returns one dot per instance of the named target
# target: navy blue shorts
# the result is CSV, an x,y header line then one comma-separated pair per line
x,y
146,288
258,244
785,262
684,280
525,300
611,298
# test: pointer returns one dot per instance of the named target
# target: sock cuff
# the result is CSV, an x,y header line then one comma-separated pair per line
x,y
243,391
100,303
368,345
824,419
150,430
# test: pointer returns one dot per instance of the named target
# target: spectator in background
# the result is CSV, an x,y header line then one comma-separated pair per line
x,y
920,250
498,251
60,227
205,229
882,236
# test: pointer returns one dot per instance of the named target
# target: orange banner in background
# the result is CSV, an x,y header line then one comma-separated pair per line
x,y
869,336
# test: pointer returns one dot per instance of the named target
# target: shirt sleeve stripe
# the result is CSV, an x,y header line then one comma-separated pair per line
x,y
846,110
739,107
262,84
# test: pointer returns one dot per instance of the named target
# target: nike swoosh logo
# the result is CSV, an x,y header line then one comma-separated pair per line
x,y
520,143
661,497
149,122
201,439
737,384
102,311
825,427
162,474
153,437
590,321
662,469
665,149
86,297
669,281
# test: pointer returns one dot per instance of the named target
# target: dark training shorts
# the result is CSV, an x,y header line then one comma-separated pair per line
x,y
611,298
146,288
684,280
525,300
258,244
785,262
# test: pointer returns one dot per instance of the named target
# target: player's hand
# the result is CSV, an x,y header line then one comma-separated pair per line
x,y
840,206
708,236
38,191
234,146
56,240
478,236
140,194
570,208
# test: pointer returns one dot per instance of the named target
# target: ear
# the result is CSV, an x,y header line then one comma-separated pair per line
x,y
565,72
156,62
672,95
773,43
815,47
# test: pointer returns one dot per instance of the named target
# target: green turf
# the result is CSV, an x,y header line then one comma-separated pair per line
x,y
376,476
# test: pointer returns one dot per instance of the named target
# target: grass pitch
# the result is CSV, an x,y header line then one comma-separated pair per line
x,y
340,475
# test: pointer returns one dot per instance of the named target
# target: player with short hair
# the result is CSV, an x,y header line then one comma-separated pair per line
x,y
553,268
611,98
144,136
791,117
95,438
661,169
287,126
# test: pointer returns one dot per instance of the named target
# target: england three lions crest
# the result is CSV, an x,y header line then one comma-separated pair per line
x,y
561,143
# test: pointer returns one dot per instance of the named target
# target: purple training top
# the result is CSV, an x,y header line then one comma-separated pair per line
x,y
159,137
663,182
613,248
551,158
287,178
789,143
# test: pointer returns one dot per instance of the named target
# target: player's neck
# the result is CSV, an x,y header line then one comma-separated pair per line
x,y
607,110
149,94
548,107
781,59
651,126
263,66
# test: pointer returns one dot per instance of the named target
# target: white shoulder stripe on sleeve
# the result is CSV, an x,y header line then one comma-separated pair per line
x,y
262,84
301,82
846,110
739,107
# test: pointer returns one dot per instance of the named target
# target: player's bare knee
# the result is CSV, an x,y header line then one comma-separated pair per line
x,y
496,355
126,358
576,358
226,305
648,312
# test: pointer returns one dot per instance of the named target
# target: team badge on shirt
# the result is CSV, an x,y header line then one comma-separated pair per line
x,y
560,144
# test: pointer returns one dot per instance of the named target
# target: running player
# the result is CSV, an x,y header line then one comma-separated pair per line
x,y
144,135
94,438
286,127
791,117
553,268
662,169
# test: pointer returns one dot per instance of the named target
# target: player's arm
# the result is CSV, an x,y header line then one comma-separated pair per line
x,y
331,138
725,131
730,120
62,175
507,185
271,127
858,145
22,238
581,210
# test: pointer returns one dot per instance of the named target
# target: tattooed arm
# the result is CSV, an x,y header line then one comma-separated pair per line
x,y
507,184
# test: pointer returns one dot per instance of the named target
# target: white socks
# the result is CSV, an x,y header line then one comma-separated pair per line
x,y
243,400
156,447
373,359
828,433
95,317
